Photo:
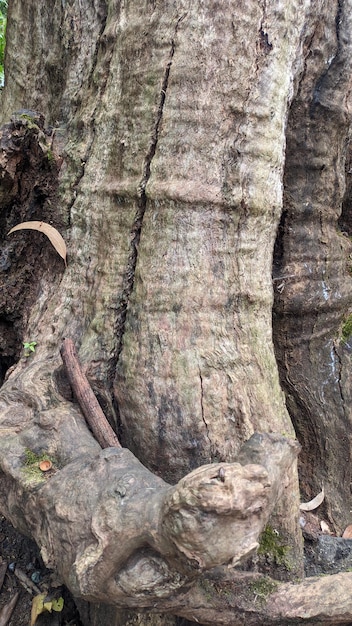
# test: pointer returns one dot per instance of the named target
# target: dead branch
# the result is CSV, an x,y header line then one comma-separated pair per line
x,y
26,582
90,406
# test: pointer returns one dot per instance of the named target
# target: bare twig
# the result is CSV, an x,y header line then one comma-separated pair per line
x,y
3,568
26,582
7,610
90,406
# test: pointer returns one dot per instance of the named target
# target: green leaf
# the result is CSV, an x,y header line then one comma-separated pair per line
x,y
48,606
58,604
29,345
39,605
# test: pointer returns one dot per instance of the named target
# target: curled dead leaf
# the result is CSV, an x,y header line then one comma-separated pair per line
x,y
347,534
313,504
51,232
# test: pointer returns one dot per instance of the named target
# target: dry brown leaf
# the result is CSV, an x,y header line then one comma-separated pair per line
x,y
313,504
347,532
51,232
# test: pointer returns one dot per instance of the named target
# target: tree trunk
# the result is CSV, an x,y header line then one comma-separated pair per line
x,y
185,145
312,269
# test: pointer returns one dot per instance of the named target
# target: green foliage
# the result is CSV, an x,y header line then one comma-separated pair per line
x,y
3,18
347,329
29,347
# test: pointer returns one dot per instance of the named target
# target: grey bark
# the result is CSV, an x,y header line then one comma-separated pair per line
x,y
182,134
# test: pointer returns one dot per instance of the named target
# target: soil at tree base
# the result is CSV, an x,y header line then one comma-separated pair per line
x,y
21,551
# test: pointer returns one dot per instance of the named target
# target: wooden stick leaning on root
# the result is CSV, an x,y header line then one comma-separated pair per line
x,y
90,406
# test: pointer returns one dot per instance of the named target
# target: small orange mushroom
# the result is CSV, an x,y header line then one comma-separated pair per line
x,y
45,465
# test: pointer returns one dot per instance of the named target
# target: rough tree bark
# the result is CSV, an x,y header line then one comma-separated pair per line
x,y
193,156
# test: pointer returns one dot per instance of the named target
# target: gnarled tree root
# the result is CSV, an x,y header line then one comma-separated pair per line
x,y
118,534
238,598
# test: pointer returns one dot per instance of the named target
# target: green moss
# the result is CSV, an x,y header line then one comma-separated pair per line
x,y
346,331
31,467
213,589
207,588
30,122
263,587
272,546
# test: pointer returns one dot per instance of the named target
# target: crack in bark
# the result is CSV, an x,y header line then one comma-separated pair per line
x,y
86,156
338,20
264,43
136,230
339,382
202,407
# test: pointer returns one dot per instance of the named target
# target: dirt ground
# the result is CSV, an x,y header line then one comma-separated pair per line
x,y
21,555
